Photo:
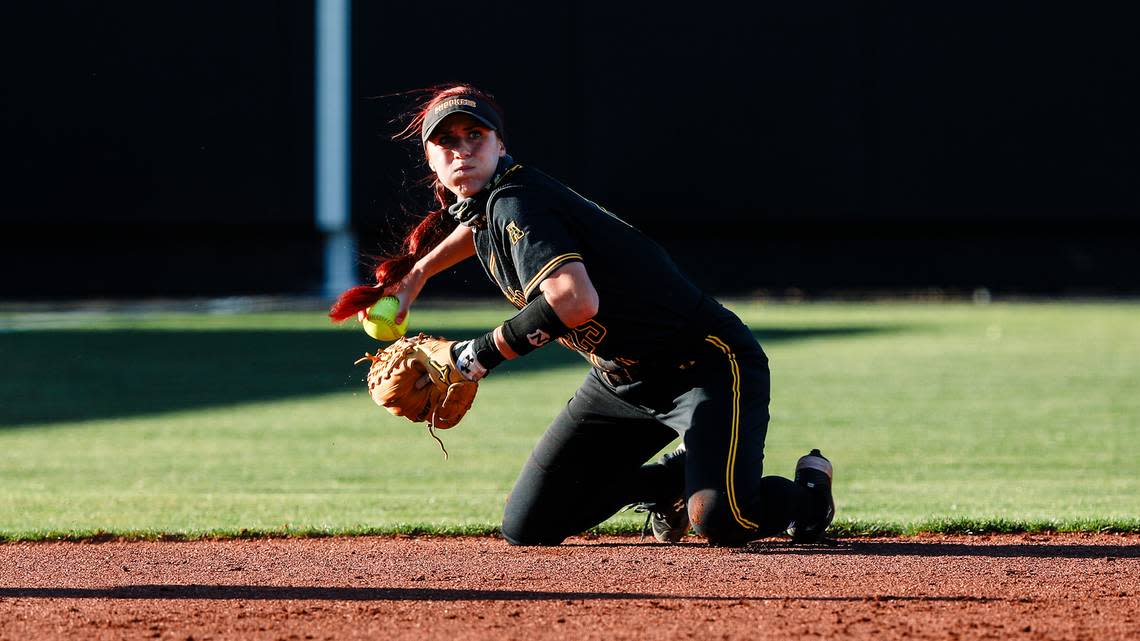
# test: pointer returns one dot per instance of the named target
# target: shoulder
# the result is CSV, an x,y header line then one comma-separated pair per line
x,y
523,179
526,191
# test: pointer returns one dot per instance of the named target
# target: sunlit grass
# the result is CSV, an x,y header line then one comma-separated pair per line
x,y
947,417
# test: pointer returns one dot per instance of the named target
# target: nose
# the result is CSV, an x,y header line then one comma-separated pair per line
x,y
464,149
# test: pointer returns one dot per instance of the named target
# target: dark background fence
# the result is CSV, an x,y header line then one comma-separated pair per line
x,y
165,149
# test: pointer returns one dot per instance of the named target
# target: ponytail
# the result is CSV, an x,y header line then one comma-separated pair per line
x,y
429,233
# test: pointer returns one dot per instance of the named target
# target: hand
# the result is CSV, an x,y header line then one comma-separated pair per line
x,y
406,291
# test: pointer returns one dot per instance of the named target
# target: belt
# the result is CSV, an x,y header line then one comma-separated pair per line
x,y
620,377
685,348
634,373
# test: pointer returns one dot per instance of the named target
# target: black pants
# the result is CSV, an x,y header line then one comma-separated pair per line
x,y
592,460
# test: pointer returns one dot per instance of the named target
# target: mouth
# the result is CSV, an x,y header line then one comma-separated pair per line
x,y
462,169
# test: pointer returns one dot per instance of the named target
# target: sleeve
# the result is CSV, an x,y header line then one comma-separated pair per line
x,y
534,230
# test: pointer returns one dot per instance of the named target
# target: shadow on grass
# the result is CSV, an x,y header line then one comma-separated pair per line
x,y
56,376
316,593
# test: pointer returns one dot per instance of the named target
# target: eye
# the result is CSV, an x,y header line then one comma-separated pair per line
x,y
475,134
445,140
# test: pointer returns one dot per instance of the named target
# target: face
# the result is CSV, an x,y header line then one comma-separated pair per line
x,y
463,153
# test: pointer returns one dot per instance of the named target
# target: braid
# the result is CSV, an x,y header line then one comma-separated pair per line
x,y
426,235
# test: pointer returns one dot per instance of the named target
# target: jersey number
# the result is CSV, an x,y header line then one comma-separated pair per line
x,y
585,337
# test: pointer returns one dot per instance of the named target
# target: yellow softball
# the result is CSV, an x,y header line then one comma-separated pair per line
x,y
380,320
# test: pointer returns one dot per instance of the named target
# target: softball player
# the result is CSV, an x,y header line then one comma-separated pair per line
x,y
666,359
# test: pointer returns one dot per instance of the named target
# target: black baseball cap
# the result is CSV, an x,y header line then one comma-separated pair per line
x,y
461,104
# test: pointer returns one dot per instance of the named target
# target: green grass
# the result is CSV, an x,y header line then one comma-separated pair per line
x,y
939,417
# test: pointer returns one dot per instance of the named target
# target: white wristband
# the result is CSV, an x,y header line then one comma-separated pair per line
x,y
468,364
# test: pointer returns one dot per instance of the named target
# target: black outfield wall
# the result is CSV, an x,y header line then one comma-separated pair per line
x,y
166,148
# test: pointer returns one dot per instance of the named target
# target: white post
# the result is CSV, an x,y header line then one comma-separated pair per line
x,y
332,194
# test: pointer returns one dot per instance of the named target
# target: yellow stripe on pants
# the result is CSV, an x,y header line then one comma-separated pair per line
x,y
730,468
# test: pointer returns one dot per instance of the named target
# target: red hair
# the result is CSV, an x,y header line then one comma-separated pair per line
x,y
433,228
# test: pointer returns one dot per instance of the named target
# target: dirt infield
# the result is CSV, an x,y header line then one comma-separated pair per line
x,y
931,587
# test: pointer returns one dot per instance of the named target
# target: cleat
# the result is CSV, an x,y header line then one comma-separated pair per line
x,y
814,472
668,522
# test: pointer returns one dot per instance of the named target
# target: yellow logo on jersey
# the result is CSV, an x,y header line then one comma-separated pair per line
x,y
515,233
516,297
585,337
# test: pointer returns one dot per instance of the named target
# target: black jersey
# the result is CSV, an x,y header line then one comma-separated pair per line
x,y
535,224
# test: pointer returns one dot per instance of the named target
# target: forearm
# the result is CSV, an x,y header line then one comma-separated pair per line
x,y
501,344
571,296
567,299
456,248
534,326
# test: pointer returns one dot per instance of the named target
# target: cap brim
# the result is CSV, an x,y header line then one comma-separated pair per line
x,y
435,125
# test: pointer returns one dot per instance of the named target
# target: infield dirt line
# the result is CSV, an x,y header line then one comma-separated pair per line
x,y
1071,586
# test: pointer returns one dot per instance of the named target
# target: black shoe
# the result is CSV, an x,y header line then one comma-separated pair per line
x,y
813,471
669,522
